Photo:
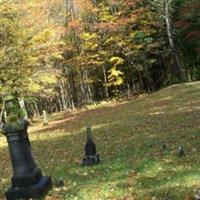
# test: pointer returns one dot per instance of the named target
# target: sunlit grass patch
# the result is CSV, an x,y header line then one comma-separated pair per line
x,y
2,142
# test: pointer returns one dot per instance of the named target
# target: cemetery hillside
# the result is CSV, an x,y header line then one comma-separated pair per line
x,y
100,99
137,140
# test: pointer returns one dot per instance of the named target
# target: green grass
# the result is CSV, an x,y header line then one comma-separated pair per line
x,y
129,138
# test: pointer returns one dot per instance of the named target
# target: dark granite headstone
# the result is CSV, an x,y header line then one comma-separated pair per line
x,y
91,157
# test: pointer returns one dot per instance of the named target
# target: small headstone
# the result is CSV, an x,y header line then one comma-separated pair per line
x,y
91,157
181,151
45,120
23,107
60,183
164,146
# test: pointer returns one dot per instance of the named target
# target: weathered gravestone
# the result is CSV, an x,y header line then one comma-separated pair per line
x,y
91,157
45,119
27,181
181,151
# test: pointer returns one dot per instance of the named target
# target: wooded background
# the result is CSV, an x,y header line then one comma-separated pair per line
x,y
62,54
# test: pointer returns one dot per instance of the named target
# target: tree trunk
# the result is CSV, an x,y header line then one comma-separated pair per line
x,y
59,103
105,82
178,68
88,86
2,113
141,81
128,91
63,100
36,109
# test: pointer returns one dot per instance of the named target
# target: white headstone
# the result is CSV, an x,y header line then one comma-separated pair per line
x,y
45,120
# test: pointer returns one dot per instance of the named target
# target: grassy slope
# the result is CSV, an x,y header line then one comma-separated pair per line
x,y
129,137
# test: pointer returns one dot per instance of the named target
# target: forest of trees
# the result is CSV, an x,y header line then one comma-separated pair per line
x,y
62,54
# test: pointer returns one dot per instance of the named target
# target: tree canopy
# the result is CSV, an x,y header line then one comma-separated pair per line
x,y
70,53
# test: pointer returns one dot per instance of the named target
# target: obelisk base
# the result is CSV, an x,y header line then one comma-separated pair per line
x,y
32,191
